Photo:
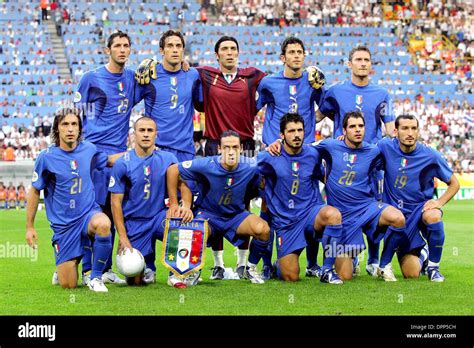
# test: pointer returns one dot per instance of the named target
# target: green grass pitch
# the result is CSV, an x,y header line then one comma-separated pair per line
x,y
25,285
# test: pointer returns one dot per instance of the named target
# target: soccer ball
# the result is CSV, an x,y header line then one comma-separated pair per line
x,y
130,264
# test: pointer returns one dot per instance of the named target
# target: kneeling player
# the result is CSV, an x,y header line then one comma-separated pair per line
x,y
63,171
224,183
294,201
350,165
410,169
138,188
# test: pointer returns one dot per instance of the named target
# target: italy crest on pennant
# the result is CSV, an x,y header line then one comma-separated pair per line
x,y
184,246
292,89
73,164
146,170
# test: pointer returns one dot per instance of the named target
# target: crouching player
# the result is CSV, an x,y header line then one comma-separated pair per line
x,y
295,204
350,165
225,183
63,171
410,169
138,192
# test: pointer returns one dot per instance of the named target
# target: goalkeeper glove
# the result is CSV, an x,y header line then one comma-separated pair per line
x,y
315,77
146,71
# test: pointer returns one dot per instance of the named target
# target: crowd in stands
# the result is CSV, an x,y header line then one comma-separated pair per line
x,y
410,74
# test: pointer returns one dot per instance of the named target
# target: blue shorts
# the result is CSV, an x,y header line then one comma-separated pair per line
x,y
143,233
69,241
101,180
221,226
413,240
293,237
365,221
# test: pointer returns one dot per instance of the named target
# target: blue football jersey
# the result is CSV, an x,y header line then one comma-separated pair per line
x,y
291,184
65,177
349,173
286,95
107,100
169,101
142,180
373,101
409,177
222,192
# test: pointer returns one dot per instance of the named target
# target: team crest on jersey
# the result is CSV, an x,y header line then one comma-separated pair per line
x,y
120,86
358,99
77,97
352,158
295,166
35,177
56,247
292,89
146,170
73,164
173,81
280,241
187,164
404,162
230,182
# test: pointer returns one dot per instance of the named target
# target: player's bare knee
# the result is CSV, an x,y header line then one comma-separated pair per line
x,y
410,272
262,231
68,284
102,226
332,216
398,219
432,216
290,276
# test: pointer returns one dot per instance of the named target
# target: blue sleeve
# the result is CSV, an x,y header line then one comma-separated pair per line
x,y
197,88
118,179
387,114
141,93
327,103
263,94
264,167
82,93
100,160
189,169
443,171
40,173
170,158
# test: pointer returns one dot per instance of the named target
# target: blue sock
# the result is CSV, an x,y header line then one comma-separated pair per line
x,y
112,240
87,258
267,256
331,236
278,272
392,240
435,241
257,249
101,251
373,251
312,248
150,261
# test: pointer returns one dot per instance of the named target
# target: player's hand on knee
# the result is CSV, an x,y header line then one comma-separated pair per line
x,y
146,71
186,214
275,148
432,204
32,237
316,77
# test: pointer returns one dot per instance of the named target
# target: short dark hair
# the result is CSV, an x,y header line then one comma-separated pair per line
x,y
229,133
170,33
359,48
289,41
59,115
225,38
352,114
143,118
118,34
290,117
405,117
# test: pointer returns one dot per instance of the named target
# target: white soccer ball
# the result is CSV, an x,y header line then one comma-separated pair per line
x,y
130,264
